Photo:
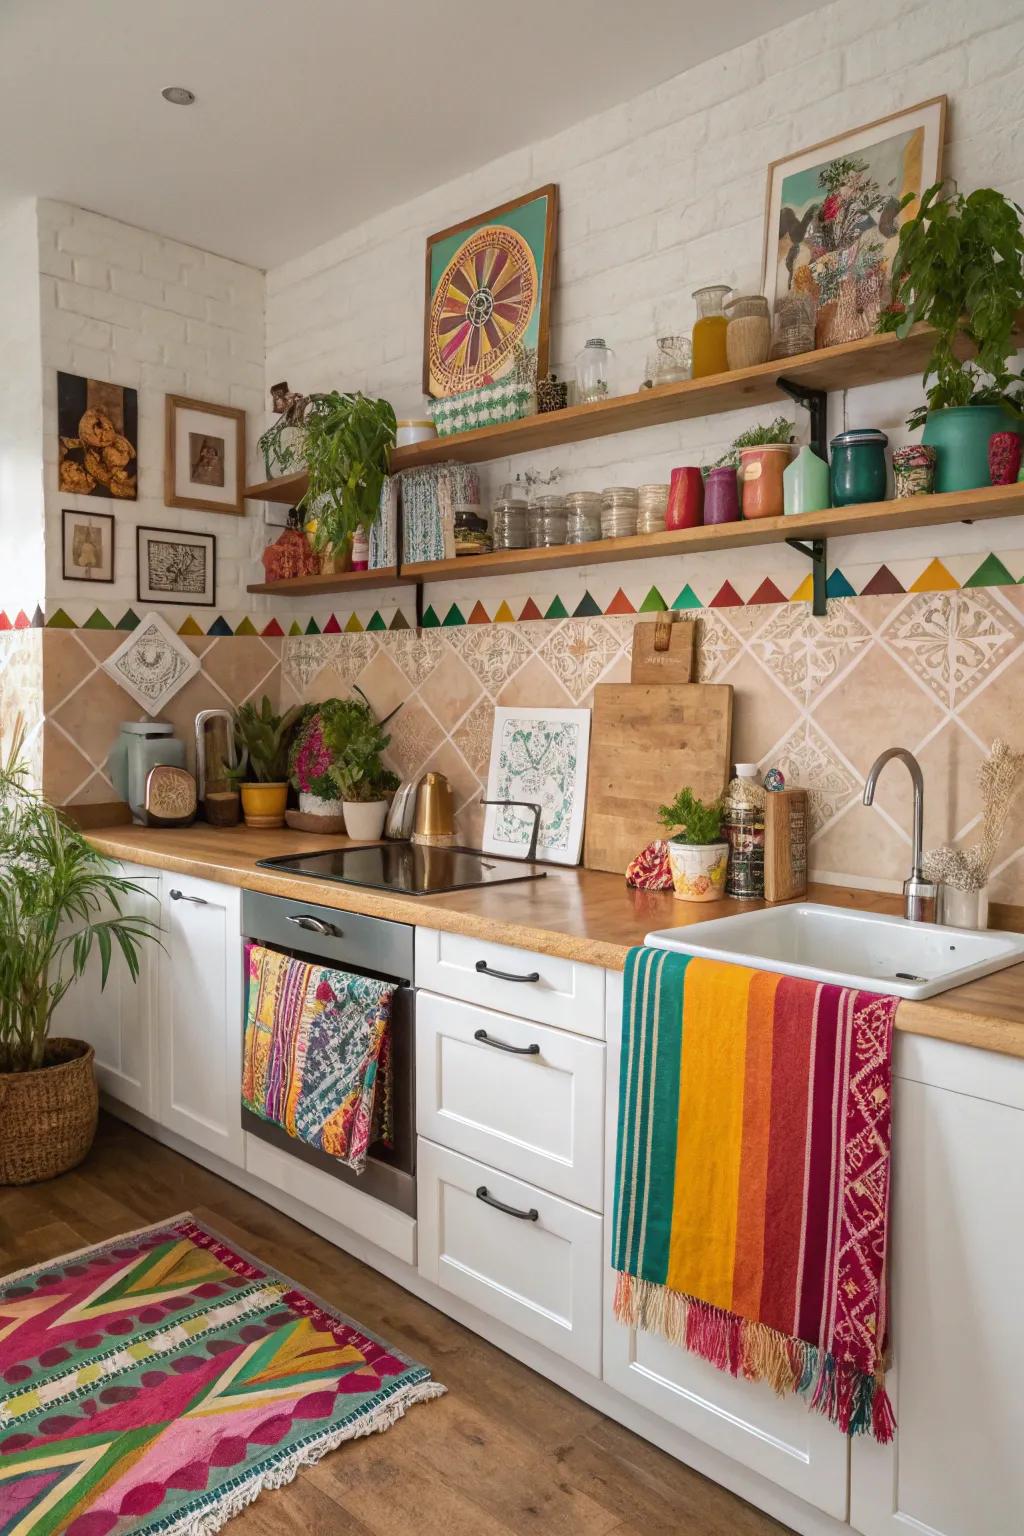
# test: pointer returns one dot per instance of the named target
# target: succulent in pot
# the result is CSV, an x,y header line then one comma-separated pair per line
x,y
698,854
262,738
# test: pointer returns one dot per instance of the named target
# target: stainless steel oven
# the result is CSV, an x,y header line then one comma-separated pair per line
x,y
369,946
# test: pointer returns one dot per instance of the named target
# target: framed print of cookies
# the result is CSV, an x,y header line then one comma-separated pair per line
x,y
488,295
204,456
98,430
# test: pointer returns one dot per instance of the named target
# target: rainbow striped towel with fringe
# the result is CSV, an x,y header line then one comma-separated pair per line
x,y
752,1177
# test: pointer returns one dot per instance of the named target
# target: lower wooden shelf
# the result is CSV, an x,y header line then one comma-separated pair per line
x,y
339,581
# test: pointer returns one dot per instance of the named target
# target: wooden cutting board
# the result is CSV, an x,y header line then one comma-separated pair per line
x,y
646,743
663,651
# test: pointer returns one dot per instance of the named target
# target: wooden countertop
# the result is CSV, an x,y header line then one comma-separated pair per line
x,y
578,914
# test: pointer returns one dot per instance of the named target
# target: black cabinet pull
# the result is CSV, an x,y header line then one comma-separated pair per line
x,y
314,925
510,1210
485,970
503,1045
197,901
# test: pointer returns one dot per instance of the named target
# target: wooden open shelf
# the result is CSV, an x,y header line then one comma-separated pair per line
x,y
341,581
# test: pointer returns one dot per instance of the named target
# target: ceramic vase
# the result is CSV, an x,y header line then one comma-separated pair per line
x,y
960,435
1004,452
858,467
685,507
364,819
805,486
721,496
761,471
698,870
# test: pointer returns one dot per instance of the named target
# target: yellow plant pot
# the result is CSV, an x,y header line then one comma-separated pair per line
x,y
263,804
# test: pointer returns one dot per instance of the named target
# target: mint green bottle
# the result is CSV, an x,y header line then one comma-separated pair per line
x,y
805,486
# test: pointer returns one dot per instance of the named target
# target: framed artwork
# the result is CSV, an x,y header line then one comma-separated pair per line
x,y
833,216
98,438
204,456
88,541
488,295
176,567
538,755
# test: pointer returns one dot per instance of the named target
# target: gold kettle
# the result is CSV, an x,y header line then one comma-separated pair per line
x,y
435,814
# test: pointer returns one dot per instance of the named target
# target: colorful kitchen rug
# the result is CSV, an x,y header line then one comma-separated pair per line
x,y
752,1176
160,1382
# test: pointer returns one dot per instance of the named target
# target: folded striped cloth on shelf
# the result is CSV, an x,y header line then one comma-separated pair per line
x,y
752,1177
318,1053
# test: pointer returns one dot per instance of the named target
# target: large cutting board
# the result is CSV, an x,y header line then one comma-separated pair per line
x,y
646,743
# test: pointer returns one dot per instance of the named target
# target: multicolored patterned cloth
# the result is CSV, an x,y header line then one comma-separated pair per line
x,y
752,1176
161,1381
318,1053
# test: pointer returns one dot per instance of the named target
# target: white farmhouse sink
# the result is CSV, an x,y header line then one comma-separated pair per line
x,y
852,949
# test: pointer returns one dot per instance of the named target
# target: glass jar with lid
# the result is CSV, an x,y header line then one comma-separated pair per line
x,y
618,511
652,503
545,522
748,338
583,517
508,523
709,354
673,359
594,371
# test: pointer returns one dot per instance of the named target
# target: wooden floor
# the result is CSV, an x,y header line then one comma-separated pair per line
x,y
505,1451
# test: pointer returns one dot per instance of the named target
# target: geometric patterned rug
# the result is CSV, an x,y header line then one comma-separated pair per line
x,y
161,1381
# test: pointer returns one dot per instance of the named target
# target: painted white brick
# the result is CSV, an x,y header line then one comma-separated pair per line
x,y
90,272
213,285
163,324
182,301
199,334
159,263
98,304
135,285
90,235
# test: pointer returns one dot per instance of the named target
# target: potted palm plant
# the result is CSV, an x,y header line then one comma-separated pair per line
x,y
60,903
262,738
698,854
347,442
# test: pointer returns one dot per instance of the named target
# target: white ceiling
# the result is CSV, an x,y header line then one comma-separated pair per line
x,y
313,115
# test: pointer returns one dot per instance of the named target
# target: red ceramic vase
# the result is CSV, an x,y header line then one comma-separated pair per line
x,y
1004,451
685,498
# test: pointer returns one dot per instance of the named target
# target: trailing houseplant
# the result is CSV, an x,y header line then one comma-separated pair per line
x,y
263,738
347,442
959,266
61,904
698,854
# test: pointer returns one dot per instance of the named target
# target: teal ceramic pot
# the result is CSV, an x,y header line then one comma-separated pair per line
x,y
805,484
858,466
960,437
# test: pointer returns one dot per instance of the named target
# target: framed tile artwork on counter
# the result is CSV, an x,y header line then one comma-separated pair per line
x,y
176,567
88,544
488,295
538,756
98,438
833,215
204,456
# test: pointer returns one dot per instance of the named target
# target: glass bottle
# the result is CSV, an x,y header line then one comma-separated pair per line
x,y
709,354
743,829
594,371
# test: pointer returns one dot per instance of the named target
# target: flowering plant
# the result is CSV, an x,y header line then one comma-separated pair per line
x,y
335,752
310,759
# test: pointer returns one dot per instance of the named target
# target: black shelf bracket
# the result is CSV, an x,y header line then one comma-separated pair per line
x,y
815,402
419,605
817,552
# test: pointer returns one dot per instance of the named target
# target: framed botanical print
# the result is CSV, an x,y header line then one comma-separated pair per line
x,y
833,217
98,438
88,542
538,756
488,295
176,567
204,456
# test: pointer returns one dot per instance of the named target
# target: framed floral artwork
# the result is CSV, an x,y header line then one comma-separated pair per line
x,y
88,542
176,567
538,756
488,296
98,438
833,216
204,456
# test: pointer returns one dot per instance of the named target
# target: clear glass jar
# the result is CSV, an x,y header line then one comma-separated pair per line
x,y
674,359
709,355
618,511
594,368
546,522
793,324
743,829
749,334
508,524
652,502
583,517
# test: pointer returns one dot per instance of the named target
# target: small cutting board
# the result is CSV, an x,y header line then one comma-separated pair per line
x,y
663,651
646,743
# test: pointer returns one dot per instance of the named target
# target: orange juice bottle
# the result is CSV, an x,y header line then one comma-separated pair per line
x,y
709,331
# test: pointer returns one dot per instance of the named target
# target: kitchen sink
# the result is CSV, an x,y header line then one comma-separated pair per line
x,y
851,949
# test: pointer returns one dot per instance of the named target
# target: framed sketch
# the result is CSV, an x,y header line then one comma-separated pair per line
x,y
98,438
204,456
540,756
488,295
88,542
176,567
833,216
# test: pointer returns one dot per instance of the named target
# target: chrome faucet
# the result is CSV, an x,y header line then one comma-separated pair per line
x,y
918,893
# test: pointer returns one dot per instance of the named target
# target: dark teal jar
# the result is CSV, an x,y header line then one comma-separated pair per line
x,y
858,466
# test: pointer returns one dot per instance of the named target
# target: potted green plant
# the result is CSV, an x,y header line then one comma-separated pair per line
x,y
959,266
698,854
347,442
262,738
310,761
60,903
356,739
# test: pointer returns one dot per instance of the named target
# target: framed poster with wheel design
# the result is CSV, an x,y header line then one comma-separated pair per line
x,y
488,295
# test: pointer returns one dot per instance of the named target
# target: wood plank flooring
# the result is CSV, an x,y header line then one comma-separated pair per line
x,y
504,1453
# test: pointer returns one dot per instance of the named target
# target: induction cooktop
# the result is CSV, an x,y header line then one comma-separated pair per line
x,y
411,869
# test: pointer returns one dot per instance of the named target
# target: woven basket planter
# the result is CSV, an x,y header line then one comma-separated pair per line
x,y
48,1117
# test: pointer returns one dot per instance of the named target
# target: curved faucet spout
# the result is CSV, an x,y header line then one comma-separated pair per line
x,y
916,889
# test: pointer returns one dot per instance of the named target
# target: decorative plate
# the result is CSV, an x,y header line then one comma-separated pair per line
x,y
540,756
152,664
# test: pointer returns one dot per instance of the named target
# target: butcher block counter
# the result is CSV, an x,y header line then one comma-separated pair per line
x,y
578,914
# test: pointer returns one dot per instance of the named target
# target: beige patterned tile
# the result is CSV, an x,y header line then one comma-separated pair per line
x,y
101,642
383,684
718,645
809,761
877,706
535,687
805,654
450,690
953,640
996,708
305,656
494,652
66,664
473,736
65,768
761,713
417,653
92,716
415,736
861,843
447,759
239,664
578,652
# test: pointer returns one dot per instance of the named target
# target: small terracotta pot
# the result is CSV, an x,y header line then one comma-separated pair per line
x,y
698,870
761,471
263,804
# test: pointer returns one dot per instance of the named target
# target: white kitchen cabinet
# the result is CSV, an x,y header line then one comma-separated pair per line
x,y
955,1467
119,1020
546,988
777,1437
200,1033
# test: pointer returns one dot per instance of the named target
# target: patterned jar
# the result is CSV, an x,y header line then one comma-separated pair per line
x,y
913,470
1004,453
743,826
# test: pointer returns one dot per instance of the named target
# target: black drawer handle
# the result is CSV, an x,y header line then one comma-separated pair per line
x,y
314,925
485,970
197,901
510,1210
503,1045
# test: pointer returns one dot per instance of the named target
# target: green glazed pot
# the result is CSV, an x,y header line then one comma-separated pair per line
x,y
960,435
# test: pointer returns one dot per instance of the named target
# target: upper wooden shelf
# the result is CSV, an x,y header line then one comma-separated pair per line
x,y
339,581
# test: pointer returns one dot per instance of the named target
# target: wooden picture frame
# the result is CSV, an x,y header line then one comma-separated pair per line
x,y
186,594
192,435
98,558
541,311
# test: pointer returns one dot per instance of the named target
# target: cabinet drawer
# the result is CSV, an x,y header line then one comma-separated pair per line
x,y
541,1276
535,1110
532,986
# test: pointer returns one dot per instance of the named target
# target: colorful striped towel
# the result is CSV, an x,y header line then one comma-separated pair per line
x,y
752,1177
317,1053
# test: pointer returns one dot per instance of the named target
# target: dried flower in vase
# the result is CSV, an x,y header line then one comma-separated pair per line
x,y
1000,777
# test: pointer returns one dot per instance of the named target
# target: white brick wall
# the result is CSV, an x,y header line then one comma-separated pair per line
x,y
21,423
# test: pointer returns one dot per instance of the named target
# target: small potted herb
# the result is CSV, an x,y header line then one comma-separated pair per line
x,y
356,739
698,854
262,738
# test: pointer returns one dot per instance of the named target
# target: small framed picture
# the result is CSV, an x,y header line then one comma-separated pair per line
x,y
176,567
204,456
88,546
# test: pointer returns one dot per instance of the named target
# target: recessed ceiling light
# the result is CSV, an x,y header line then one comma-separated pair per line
x,y
179,95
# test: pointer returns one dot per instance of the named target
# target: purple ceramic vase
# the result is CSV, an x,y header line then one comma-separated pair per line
x,y
721,496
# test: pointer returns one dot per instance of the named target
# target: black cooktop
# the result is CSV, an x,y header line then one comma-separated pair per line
x,y
412,869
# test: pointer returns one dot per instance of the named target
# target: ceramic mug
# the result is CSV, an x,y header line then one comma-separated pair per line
x,y
685,507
